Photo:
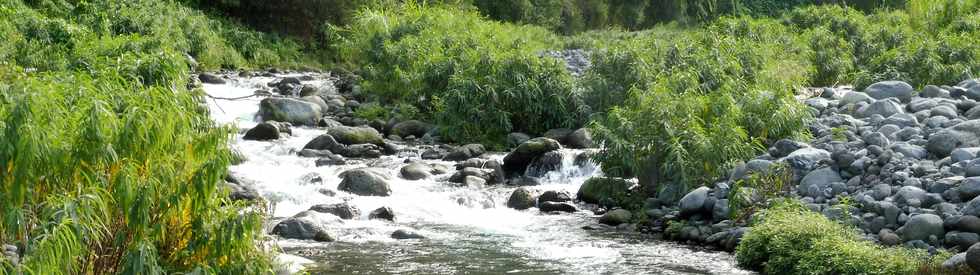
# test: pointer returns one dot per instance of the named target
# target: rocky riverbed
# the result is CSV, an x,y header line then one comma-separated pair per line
x,y
347,195
898,163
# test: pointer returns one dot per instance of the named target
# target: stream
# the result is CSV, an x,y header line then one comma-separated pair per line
x,y
468,229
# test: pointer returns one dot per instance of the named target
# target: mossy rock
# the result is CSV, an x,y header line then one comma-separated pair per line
x,y
356,135
599,189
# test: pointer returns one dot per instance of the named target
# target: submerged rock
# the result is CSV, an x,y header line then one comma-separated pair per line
x,y
405,234
521,198
616,217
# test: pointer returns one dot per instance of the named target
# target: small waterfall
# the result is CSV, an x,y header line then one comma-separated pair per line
x,y
564,166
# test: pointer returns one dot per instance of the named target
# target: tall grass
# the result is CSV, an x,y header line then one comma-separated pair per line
x,y
107,163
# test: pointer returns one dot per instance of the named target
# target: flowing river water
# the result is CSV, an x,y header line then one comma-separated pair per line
x,y
468,230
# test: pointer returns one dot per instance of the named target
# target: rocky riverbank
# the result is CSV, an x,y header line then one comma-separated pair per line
x,y
899,164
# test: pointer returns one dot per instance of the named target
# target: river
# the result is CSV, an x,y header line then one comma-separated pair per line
x,y
468,229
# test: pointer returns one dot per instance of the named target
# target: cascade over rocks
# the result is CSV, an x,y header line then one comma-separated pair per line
x,y
517,161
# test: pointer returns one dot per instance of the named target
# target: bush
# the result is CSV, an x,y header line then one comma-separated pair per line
x,y
793,240
479,85
110,164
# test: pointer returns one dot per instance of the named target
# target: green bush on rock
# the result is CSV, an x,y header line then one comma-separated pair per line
x,y
793,240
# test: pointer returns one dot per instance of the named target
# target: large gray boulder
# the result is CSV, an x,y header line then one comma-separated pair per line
x,y
855,97
973,255
887,89
693,202
909,150
972,87
290,110
307,225
910,195
365,182
616,217
972,207
417,171
516,162
268,130
411,128
885,108
465,152
964,134
969,188
807,158
813,184
921,226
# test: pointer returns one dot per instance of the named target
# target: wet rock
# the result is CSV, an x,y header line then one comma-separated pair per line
x,y
343,210
210,78
555,196
433,154
269,130
465,152
241,189
547,162
356,135
517,161
307,225
521,198
550,206
290,110
329,143
416,171
597,189
405,234
616,217
411,128
330,160
524,181
383,213
364,182
461,174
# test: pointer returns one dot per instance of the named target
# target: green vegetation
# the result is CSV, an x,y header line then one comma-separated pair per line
x,y
793,240
610,192
478,84
758,191
109,164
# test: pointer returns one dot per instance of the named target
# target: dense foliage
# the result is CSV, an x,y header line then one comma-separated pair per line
x,y
109,164
478,84
794,240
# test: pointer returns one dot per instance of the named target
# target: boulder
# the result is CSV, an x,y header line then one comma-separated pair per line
x,y
910,194
343,210
972,207
814,183
356,135
964,134
964,154
405,234
598,189
855,97
560,134
784,147
550,206
465,152
364,182
411,128
327,142
921,226
269,130
955,262
884,108
307,225
909,150
521,198
580,139
241,189
290,110
888,89
516,139
973,254
382,213
616,217
516,162
416,171
961,240
806,159
555,196
210,78
693,202
972,87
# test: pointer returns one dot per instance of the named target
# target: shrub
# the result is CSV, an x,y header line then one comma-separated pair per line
x,y
793,240
110,164
479,84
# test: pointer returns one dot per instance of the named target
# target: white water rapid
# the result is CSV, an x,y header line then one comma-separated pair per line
x,y
468,229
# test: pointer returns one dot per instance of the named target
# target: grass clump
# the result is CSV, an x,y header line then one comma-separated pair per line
x,y
793,240
478,84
